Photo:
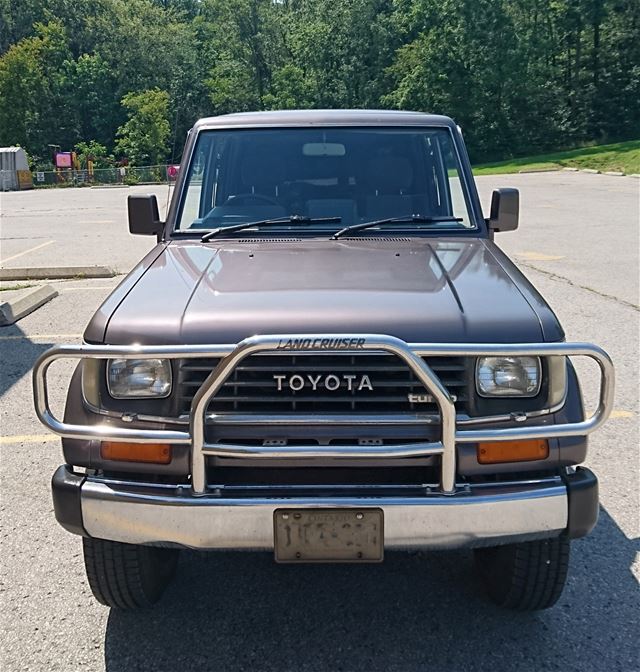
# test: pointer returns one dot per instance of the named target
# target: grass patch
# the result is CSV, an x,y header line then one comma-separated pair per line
x,y
12,287
621,156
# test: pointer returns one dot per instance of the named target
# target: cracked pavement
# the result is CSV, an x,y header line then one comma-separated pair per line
x,y
578,243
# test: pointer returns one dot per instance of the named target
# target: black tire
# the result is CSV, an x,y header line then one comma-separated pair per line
x,y
528,576
126,576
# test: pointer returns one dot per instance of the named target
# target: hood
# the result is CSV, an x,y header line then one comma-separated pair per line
x,y
417,289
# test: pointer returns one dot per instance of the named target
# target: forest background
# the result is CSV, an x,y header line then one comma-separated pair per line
x,y
126,79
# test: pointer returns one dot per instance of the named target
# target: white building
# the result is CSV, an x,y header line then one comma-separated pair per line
x,y
14,169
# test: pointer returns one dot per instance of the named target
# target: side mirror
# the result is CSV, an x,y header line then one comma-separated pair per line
x,y
505,208
144,219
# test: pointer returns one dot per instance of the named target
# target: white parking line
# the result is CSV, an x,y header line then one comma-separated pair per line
x,y
38,337
33,249
73,289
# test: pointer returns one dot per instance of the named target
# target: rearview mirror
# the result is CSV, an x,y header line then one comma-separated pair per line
x,y
505,209
323,149
144,219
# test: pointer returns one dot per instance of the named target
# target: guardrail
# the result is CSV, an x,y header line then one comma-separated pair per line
x,y
411,354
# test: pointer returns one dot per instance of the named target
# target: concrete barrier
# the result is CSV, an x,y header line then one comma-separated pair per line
x,y
24,303
56,273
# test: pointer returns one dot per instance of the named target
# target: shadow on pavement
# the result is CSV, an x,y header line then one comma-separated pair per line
x,y
240,611
18,355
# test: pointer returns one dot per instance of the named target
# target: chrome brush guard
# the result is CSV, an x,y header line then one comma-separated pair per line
x,y
410,353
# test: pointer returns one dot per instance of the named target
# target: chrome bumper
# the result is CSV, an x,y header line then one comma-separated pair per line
x,y
475,516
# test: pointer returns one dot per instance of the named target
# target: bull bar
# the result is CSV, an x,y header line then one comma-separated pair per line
x,y
232,355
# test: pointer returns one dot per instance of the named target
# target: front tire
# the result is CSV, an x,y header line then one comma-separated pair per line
x,y
126,576
528,576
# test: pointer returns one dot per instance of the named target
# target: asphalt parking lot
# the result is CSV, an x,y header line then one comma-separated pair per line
x,y
578,243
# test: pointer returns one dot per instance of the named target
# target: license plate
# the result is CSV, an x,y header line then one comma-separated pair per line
x,y
328,535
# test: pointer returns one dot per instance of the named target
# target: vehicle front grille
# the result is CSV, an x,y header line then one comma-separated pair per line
x,y
345,383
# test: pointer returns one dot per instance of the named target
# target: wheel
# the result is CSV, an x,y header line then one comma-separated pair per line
x,y
527,576
126,576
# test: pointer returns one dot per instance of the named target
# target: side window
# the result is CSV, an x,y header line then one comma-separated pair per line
x,y
193,205
444,186
435,184
458,206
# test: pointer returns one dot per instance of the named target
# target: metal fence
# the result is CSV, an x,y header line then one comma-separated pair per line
x,y
161,174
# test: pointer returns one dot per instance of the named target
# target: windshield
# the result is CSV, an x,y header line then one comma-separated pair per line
x,y
355,174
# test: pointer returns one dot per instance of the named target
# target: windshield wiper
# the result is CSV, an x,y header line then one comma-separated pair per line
x,y
291,219
414,219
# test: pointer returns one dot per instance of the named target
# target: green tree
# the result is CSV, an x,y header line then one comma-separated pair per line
x,y
34,108
94,89
340,48
96,152
143,138
22,86
463,61
520,76
241,38
291,88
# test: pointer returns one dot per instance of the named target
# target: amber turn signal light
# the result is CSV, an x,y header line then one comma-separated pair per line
x,y
492,452
154,453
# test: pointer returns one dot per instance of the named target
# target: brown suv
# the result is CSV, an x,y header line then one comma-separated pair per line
x,y
325,356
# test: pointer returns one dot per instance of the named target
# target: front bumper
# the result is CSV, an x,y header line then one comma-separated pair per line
x,y
479,515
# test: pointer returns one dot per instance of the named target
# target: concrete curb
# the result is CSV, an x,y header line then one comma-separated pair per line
x,y
551,169
56,273
570,169
23,304
612,173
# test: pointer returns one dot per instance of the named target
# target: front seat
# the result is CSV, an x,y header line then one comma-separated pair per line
x,y
389,180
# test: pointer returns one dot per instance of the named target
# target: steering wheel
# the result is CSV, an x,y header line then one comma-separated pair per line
x,y
246,199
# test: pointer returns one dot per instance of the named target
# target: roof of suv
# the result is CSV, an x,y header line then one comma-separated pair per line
x,y
325,117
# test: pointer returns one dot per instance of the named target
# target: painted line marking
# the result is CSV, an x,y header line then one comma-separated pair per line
x,y
74,289
33,249
27,438
618,414
31,337
539,256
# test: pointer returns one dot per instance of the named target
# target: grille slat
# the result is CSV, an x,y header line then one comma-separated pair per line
x,y
349,368
337,399
451,382
252,389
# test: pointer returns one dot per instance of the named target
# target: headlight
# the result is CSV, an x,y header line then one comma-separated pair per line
x,y
138,378
508,376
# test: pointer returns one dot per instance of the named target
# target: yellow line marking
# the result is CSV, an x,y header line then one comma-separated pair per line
x,y
27,438
33,249
538,256
32,337
618,413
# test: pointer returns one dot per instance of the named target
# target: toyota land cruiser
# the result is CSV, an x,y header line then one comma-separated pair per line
x,y
326,356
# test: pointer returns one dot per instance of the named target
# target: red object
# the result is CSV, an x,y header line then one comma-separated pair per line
x,y
63,160
172,172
